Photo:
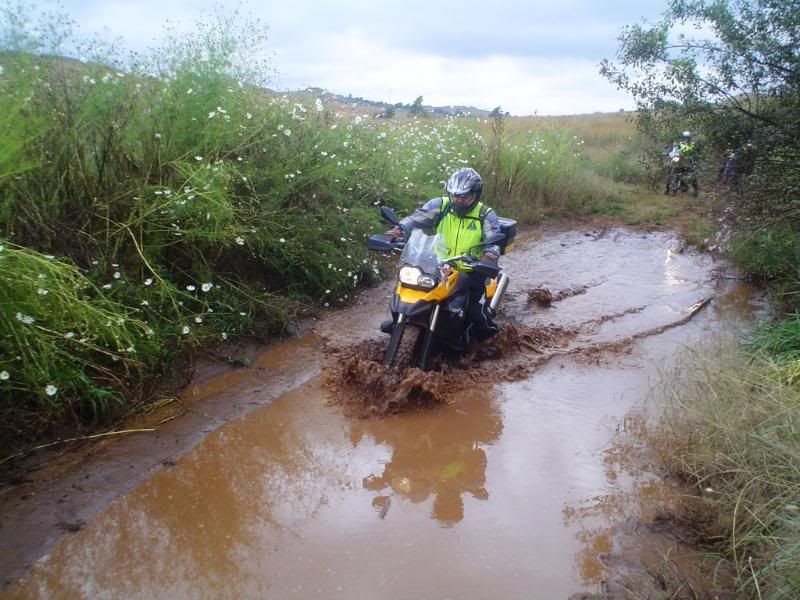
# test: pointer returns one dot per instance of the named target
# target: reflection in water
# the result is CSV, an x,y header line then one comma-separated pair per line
x,y
211,526
437,454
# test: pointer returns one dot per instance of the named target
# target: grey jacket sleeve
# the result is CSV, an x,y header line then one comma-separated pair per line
x,y
491,226
425,216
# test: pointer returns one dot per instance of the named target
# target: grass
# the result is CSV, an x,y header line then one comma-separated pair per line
x,y
731,430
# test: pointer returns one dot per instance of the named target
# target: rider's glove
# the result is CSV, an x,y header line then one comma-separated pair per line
x,y
394,233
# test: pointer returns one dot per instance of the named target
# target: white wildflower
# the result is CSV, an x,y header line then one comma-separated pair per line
x,y
282,241
69,335
51,390
189,91
130,349
198,320
42,292
190,287
212,114
198,157
4,374
148,281
240,240
224,336
107,286
145,303
158,136
287,132
117,274
27,319
318,104
185,329
206,286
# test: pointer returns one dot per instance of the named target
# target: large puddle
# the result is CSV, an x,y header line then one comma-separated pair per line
x,y
512,488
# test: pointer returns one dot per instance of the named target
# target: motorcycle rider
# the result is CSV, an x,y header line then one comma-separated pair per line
x,y
684,168
463,221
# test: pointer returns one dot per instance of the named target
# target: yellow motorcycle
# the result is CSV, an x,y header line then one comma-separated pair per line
x,y
429,303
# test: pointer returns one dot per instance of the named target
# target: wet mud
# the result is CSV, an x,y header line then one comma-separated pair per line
x,y
358,380
317,472
544,297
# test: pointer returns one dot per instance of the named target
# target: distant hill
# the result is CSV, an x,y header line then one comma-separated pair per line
x,y
377,107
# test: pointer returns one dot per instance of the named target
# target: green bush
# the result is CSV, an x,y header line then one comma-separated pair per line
x,y
771,255
68,352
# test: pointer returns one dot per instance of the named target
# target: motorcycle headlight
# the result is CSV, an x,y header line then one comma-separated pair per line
x,y
414,277
409,275
426,281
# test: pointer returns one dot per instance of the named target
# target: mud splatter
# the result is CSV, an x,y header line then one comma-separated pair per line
x,y
357,379
542,296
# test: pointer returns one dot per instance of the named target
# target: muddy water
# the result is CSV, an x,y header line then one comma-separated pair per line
x,y
515,488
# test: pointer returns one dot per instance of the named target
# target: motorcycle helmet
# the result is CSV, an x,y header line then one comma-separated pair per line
x,y
464,181
686,134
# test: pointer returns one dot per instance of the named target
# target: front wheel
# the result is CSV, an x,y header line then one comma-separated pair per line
x,y
402,346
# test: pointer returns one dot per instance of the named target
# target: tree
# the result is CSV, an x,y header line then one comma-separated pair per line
x,y
738,85
416,108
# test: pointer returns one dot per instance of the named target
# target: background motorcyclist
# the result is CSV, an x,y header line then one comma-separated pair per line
x,y
463,221
682,166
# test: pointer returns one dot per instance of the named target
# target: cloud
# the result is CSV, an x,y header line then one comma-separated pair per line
x,y
524,56
521,85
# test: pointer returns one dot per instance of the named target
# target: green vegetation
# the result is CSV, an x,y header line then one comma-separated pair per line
x,y
731,430
732,418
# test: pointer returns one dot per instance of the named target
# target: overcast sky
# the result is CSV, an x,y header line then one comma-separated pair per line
x,y
526,56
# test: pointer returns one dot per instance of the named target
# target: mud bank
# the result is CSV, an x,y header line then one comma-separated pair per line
x,y
497,486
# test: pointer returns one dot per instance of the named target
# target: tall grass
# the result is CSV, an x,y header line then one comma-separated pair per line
x,y
731,429
76,358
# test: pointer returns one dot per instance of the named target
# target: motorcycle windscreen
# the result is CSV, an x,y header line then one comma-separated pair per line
x,y
424,250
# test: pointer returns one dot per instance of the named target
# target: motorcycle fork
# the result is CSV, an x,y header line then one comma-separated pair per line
x,y
424,355
394,342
